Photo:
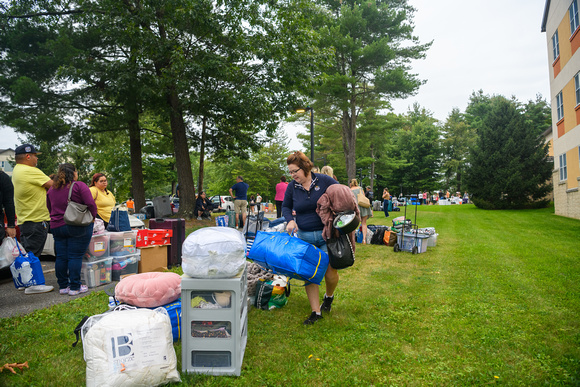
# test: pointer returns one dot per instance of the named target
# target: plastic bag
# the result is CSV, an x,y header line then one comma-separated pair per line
x,y
129,348
214,252
9,251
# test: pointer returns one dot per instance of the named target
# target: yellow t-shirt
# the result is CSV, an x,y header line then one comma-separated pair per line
x,y
105,203
29,194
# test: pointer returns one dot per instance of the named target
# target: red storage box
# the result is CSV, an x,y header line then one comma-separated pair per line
x,y
156,237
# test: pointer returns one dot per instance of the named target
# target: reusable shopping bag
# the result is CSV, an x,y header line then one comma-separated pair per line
x,y
26,270
119,220
284,254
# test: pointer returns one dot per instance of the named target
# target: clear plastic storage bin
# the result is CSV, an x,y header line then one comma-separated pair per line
x,y
96,273
98,248
127,264
122,243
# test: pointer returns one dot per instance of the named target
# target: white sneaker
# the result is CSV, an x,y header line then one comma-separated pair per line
x,y
38,289
21,288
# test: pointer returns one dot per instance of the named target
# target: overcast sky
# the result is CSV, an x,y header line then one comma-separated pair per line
x,y
493,45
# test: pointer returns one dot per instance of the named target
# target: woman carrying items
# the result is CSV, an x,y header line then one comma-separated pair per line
x,y
103,198
302,196
70,242
386,199
280,191
364,212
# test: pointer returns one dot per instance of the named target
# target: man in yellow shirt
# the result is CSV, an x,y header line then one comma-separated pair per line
x,y
30,185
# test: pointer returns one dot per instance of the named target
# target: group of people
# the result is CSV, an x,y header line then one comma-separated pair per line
x,y
39,202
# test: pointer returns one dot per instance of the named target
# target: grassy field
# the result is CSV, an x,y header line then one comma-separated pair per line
x,y
497,301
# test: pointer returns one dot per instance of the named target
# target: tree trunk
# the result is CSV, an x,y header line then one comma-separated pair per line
x,y
348,146
372,177
137,186
202,155
182,160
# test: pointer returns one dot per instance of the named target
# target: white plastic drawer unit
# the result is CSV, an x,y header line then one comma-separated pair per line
x,y
214,324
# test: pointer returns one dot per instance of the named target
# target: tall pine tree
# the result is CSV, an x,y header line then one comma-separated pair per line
x,y
508,164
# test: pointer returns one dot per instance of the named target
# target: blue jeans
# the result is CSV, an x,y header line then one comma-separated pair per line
x,y
386,207
70,245
314,238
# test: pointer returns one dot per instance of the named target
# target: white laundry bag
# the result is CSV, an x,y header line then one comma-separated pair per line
x,y
129,348
214,252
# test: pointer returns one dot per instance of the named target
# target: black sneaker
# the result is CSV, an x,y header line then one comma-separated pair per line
x,y
312,319
326,304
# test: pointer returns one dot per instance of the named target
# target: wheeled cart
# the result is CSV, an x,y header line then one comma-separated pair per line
x,y
410,241
214,324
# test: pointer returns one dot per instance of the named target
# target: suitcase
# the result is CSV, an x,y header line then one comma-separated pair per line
x,y
178,227
162,206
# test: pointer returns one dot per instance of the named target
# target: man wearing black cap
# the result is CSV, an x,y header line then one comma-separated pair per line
x,y
30,185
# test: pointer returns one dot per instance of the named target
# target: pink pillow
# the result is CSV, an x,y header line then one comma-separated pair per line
x,y
149,290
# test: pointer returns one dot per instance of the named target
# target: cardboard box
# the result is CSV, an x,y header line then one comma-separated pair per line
x,y
152,258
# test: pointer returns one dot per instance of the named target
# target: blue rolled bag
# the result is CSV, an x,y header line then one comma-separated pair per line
x,y
284,254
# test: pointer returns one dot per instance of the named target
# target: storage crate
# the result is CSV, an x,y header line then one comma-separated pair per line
x,y
409,241
214,318
98,248
128,264
96,273
122,243
432,241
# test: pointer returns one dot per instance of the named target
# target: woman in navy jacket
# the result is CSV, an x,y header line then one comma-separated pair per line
x,y
301,196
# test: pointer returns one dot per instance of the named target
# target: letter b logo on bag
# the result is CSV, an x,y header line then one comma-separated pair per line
x,y
122,345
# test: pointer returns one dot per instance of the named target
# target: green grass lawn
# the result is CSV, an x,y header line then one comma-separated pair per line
x,y
496,301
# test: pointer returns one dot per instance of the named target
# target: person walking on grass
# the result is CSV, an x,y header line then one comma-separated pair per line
x,y
302,196
30,185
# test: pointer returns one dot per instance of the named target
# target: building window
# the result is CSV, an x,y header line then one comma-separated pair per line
x,y
577,86
563,168
560,106
574,16
556,45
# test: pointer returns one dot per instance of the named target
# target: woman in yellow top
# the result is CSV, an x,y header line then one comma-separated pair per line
x,y
104,198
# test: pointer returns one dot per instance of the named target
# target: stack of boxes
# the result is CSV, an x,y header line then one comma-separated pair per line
x,y
113,255
110,257
153,246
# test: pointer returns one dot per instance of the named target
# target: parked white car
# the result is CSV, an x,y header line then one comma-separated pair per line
x,y
226,203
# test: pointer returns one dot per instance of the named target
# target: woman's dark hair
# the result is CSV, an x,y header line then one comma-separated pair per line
x,y
65,175
283,179
96,178
301,160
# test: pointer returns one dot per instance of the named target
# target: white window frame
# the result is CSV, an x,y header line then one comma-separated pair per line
x,y
556,45
577,87
560,106
563,167
573,17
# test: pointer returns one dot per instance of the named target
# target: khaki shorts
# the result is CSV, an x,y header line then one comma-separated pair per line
x,y
241,206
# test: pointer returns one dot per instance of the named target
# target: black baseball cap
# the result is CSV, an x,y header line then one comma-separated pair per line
x,y
26,148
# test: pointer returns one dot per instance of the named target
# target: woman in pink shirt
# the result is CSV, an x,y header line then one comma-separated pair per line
x,y
279,198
